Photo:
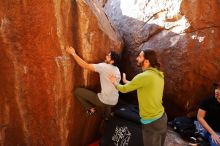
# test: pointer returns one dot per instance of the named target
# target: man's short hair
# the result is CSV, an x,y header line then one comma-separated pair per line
x,y
115,57
152,57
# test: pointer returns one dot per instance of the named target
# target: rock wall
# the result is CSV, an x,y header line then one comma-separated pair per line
x,y
186,36
37,77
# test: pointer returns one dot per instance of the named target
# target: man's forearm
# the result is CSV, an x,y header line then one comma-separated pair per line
x,y
79,60
206,126
121,88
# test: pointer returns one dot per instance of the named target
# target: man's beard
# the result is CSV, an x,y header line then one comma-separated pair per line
x,y
106,61
140,64
217,95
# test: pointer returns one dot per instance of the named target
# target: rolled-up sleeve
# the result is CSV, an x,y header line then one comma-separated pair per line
x,y
204,104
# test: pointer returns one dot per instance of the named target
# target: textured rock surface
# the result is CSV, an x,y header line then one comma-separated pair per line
x,y
37,77
186,36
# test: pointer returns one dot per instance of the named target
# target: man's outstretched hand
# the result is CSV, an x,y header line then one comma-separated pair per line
x,y
112,78
70,50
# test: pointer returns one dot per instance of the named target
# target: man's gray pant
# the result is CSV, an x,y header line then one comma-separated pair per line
x,y
154,133
89,99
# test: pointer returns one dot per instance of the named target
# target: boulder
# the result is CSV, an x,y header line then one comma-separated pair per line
x,y
186,36
37,77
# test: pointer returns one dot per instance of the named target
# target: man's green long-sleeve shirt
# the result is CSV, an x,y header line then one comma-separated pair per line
x,y
149,85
